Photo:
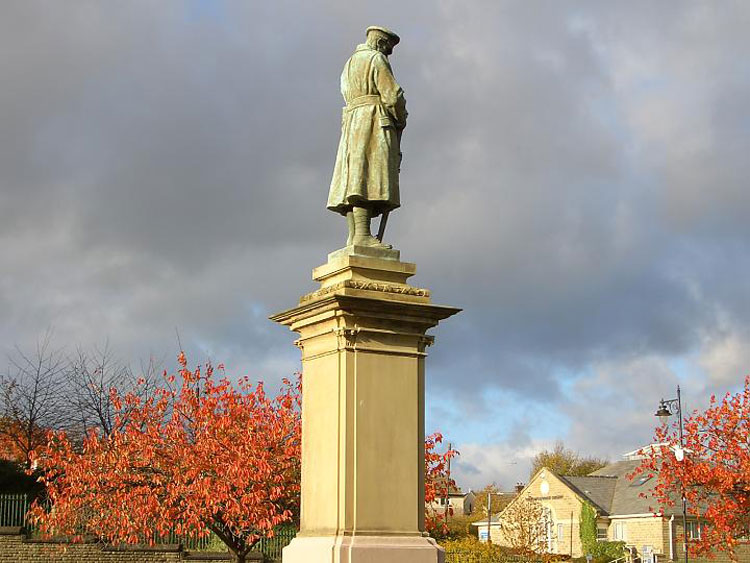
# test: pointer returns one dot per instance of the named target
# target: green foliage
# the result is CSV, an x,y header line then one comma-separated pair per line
x,y
595,559
565,462
588,528
471,549
609,549
458,527
499,501
606,550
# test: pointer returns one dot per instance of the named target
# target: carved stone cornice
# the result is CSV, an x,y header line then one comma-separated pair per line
x,y
366,286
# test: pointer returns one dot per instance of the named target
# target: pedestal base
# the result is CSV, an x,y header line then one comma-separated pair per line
x,y
368,251
363,336
363,549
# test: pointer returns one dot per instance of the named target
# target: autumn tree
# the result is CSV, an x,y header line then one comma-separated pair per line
x,y
438,482
31,400
89,378
564,461
498,501
525,526
711,469
199,455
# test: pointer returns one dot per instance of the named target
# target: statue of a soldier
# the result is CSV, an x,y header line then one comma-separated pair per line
x,y
365,178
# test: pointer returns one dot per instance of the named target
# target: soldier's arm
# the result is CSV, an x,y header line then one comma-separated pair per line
x,y
390,92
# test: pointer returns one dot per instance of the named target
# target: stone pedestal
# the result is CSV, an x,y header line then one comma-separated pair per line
x,y
363,340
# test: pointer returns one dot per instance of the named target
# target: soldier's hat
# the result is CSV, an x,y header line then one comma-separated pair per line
x,y
391,35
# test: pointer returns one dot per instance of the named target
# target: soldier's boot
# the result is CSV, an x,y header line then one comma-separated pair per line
x,y
362,234
350,224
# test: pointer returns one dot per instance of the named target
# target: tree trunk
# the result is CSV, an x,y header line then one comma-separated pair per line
x,y
241,556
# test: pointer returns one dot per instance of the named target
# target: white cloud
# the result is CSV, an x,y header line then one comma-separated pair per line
x,y
482,464
725,357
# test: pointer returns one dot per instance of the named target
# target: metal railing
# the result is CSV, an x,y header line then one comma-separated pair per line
x,y
271,547
14,507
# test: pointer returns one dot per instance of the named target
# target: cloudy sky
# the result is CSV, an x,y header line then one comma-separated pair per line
x,y
575,178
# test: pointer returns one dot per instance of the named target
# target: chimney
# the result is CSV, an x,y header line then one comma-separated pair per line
x,y
519,487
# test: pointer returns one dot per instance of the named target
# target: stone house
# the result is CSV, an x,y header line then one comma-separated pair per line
x,y
622,513
461,503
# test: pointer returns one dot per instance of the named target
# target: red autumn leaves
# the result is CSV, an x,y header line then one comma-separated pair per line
x,y
437,482
198,455
714,473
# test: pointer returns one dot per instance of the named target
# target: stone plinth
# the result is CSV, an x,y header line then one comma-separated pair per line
x,y
363,340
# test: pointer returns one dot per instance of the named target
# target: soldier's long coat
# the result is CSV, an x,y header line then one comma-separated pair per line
x,y
369,156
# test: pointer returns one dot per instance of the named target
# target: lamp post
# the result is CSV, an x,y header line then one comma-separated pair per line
x,y
666,409
489,516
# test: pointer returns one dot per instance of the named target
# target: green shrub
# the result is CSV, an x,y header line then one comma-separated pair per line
x,y
588,527
601,550
471,549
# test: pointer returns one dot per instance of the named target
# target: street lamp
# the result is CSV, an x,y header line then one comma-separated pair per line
x,y
666,409
489,516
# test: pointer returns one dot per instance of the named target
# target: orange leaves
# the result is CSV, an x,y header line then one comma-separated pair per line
x,y
437,480
202,455
714,475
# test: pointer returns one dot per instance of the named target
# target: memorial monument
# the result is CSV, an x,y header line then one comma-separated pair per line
x,y
363,337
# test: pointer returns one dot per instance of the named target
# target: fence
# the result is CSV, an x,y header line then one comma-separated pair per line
x,y
271,547
13,509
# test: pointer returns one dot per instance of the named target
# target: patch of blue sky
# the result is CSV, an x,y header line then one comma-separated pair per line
x,y
651,83
257,309
495,417
206,10
566,380
683,367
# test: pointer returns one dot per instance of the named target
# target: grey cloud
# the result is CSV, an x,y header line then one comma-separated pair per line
x,y
574,177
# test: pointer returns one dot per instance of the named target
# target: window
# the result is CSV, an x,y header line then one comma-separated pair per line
x,y
601,532
619,532
560,538
694,530
640,481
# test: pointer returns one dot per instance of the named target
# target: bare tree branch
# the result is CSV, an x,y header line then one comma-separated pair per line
x,y
32,400
91,377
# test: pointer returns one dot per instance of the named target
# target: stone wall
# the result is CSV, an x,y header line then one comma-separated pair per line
x,y
647,530
15,547
565,509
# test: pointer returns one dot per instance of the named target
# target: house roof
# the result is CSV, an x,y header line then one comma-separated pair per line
x,y
599,490
629,494
612,493
453,489
493,522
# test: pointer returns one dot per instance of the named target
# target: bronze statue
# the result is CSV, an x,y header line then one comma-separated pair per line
x,y
365,177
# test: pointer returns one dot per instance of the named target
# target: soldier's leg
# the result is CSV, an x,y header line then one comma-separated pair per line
x,y
350,224
362,234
